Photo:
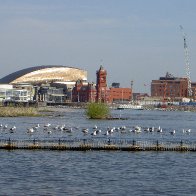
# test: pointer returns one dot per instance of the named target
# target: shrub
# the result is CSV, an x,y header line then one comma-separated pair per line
x,y
97,110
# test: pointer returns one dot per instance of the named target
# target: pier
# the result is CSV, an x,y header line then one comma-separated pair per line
x,y
96,145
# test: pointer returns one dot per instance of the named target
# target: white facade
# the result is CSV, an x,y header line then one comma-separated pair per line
x,y
15,95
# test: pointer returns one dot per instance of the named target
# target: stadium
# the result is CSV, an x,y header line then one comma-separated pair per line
x,y
45,74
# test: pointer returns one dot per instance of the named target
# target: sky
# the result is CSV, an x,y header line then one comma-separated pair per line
x,y
134,40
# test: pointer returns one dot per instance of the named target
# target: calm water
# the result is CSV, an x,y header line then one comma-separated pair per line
x,y
100,173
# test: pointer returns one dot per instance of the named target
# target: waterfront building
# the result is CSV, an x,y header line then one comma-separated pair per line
x,y
89,92
60,84
49,83
171,87
119,95
84,92
45,74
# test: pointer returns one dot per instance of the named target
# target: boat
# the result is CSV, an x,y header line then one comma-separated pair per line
x,y
130,106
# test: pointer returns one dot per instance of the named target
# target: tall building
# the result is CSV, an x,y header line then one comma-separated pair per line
x,y
101,85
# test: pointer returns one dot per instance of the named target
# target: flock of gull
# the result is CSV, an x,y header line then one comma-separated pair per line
x,y
94,131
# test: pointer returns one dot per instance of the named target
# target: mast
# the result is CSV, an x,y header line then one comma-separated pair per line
x,y
187,63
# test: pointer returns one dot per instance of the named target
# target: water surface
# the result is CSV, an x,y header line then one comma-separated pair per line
x,y
40,172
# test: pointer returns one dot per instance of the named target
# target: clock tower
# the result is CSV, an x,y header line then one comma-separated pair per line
x,y
101,85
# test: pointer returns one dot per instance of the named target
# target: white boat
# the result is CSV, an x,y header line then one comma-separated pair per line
x,y
130,106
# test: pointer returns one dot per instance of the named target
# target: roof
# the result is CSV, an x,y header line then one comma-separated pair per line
x,y
13,76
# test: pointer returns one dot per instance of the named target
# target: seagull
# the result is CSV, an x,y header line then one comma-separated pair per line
x,y
47,125
147,129
69,130
151,129
60,128
123,127
49,132
98,131
137,129
186,131
117,128
36,126
56,127
159,130
12,129
95,127
30,130
173,132
107,133
94,133
65,129
110,131
85,130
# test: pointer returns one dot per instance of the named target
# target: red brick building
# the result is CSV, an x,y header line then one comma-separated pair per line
x,y
101,86
120,95
171,87
84,92
89,92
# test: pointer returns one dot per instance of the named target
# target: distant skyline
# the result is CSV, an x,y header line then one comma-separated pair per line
x,y
133,39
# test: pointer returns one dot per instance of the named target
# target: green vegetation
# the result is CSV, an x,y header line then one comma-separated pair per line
x,y
18,111
97,111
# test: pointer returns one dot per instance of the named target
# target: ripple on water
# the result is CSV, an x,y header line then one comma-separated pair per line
x,y
101,173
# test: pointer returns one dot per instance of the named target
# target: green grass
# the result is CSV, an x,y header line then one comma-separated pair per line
x,y
18,111
97,111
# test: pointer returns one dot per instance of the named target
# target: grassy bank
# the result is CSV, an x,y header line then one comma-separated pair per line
x,y
18,111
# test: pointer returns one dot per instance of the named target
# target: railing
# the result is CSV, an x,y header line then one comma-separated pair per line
x,y
98,144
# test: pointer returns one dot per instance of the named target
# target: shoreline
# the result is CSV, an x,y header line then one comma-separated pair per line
x,y
146,107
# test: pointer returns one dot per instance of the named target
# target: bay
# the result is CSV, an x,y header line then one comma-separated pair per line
x,y
43,172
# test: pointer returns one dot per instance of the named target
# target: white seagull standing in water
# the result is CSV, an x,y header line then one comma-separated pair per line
x,y
30,130
94,133
95,127
186,131
159,130
12,129
47,125
36,126
85,130
173,132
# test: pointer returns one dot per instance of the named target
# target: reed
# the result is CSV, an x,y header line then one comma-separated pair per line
x,y
18,111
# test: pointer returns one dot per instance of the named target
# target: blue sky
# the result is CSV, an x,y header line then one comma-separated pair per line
x,y
134,39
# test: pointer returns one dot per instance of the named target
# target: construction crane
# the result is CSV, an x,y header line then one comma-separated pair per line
x,y
187,64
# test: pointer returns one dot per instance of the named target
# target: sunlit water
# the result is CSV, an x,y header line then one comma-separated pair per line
x,y
42,172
